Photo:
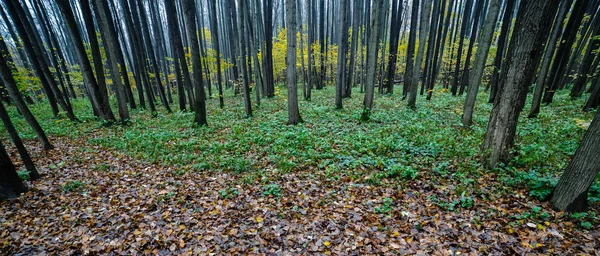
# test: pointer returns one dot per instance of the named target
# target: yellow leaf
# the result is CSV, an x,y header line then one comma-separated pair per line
x,y
258,219
326,243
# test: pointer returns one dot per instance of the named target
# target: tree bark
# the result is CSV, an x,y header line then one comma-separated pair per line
x,y
523,57
570,194
189,12
96,97
416,75
483,48
11,185
14,135
291,80
372,49
11,86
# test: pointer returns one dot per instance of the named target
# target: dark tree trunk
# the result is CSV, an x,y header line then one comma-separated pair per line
x,y
291,79
215,41
483,48
466,71
14,135
572,189
342,52
501,48
562,55
189,11
410,50
11,86
372,50
10,184
96,97
424,27
36,55
531,28
268,68
112,48
244,61
588,59
463,31
540,82
394,36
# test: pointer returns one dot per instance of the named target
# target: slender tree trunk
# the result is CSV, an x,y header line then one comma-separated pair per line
x,y
463,31
342,52
96,97
393,52
426,12
112,47
14,135
540,82
483,48
501,48
215,41
475,28
244,61
291,80
586,65
189,14
410,49
562,55
11,86
372,50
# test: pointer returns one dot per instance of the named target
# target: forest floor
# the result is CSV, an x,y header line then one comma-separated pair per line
x,y
408,183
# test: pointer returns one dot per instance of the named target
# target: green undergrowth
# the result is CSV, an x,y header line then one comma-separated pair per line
x,y
396,144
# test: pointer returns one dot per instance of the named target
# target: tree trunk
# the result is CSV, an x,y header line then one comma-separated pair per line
x,y
215,41
570,194
112,48
416,75
523,57
11,185
586,65
372,49
394,36
11,86
410,49
292,86
189,14
244,61
562,54
14,135
483,48
540,82
342,52
96,97
501,48
463,31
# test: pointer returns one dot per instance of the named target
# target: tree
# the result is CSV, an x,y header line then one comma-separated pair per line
x,y
523,58
416,75
484,42
372,49
570,194
14,135
96,97
112,47
588,59
342,52
540,82
215,38
11,185
463,31
11,86
394,36
291,80
244,61
189,12
36,55
501,48
563,52
410,49
268,57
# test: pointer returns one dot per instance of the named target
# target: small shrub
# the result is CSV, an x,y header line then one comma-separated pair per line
x,y
272,190
74,185
23,175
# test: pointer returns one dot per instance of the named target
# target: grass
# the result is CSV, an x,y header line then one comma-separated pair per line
x,y
396,143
